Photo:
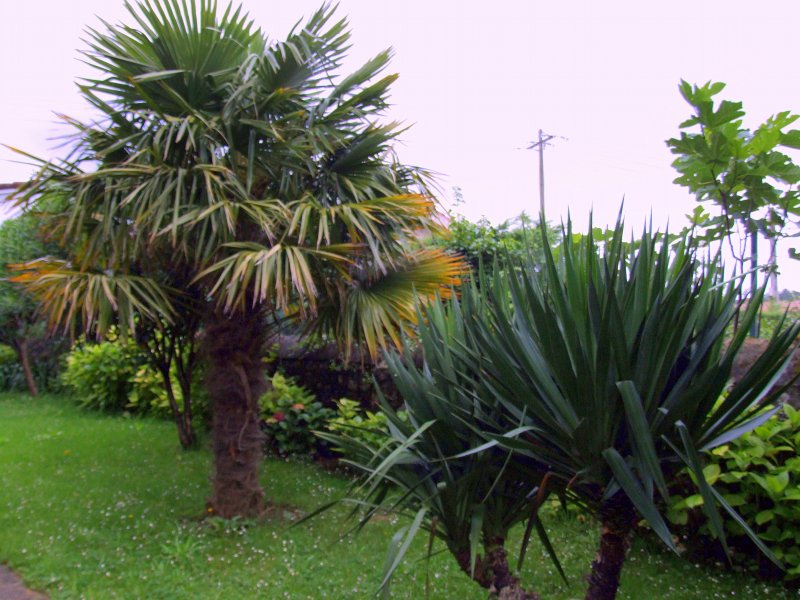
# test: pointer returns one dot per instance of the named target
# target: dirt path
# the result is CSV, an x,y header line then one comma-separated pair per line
x,y
12,588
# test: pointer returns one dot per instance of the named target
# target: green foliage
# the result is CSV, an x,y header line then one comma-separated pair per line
x,y
759,474
114,376
364,426
772,315
7,355
614,358
248,170
290,415
148,393
466,499
47,357
19,241
20,325
743,174
100,376
484,243
594,377
11,376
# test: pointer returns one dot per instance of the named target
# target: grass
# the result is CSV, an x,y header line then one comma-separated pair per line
x,y
94,506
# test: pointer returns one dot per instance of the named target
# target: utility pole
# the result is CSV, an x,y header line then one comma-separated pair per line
x,y
539,146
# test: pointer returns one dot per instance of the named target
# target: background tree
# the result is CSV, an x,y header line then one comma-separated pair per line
x,y
260,176
21,327
484,243
744,174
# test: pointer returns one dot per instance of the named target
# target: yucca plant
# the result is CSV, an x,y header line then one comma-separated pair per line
x,y
426,465
604,374
228,177
614,361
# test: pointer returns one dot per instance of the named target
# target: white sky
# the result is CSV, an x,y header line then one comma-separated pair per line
x,y
479,79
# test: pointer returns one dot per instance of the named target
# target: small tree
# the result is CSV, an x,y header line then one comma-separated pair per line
x,y
743,173
469,500
484,243
21,327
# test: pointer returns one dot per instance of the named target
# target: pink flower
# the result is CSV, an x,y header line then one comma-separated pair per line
x,y
298,406
279,416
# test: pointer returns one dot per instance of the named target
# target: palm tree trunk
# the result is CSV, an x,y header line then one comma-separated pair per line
x,y
492,572
618,518
235,381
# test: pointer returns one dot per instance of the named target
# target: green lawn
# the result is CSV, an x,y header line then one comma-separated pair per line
x,y
100,507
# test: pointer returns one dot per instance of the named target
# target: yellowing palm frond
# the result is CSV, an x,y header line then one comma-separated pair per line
x,y
378,309
96,300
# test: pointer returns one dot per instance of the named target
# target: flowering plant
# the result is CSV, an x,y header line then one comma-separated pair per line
x,y
289,416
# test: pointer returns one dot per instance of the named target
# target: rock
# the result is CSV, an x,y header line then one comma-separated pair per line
x,y
751,350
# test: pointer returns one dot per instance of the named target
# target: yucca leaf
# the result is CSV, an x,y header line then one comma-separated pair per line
x,y
644,504
692,460
639,429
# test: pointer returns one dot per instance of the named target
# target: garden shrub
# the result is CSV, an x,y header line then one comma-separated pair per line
x,y
100,376
11,375
114,376
365,426
758,474
772,314
290,414
147,393
483,243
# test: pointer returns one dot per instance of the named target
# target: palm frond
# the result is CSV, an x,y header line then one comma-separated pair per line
x,y
95,300
379,308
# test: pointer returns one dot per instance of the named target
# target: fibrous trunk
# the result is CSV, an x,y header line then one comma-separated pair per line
x,y
235,381
493,572
618,518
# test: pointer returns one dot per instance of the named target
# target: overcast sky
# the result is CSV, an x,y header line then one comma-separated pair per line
x,y
477,82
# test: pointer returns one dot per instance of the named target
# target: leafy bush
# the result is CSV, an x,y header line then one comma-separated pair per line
x,y
595,377
100,376
771,316
7,354
11,375
114,376
759,474
148,394
290,414
364,426
469,500
45,356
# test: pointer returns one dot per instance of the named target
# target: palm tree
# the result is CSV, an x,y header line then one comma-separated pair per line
x,y
229,177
